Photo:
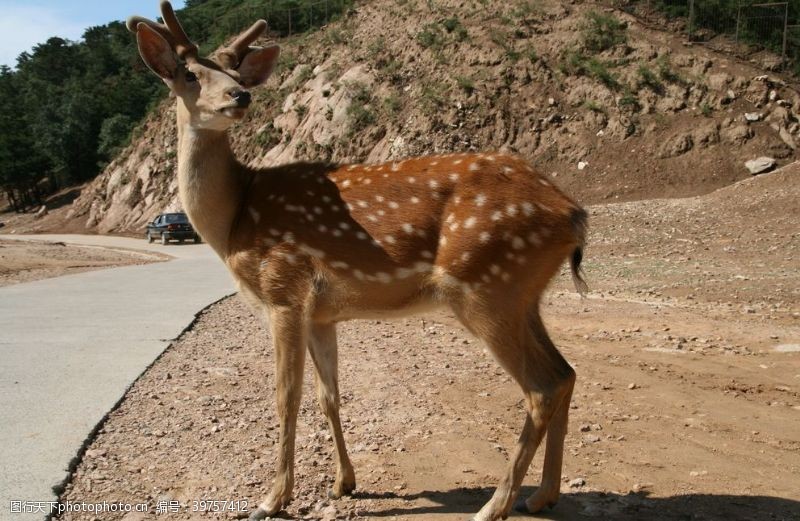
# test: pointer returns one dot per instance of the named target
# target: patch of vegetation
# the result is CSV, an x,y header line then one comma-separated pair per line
x,y
430,36
532,55
649,79
594,106
706,109
392,104
466,84
454,27
359,112
665,71
576,63
376,47
629,100
602,31
501,39
432,95
301,110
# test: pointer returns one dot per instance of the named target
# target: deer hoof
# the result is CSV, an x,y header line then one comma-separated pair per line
x,y
258,514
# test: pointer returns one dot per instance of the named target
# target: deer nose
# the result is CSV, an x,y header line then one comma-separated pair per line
x,y
241,97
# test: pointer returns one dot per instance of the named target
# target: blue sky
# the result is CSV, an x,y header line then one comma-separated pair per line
x,y
23,24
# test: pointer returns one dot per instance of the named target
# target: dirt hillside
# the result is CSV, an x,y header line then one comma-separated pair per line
x,y
633,114
687,404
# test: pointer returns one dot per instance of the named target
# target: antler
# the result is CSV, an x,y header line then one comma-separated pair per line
x,y
171,30
232,55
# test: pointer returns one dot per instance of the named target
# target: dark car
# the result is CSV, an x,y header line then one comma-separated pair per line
x,y
169,226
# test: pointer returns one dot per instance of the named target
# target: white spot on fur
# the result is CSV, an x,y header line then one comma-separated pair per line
x,y
480,199
403,273
274,232
344,226
527,209
454,226
383,277
372,218
254,214
450,218
470,222
414,199
322,228
433,184
411,180
518,243
358,274
474,167
326,199
486,278
381,213
393,205
453,177
288,237
362,204
544,182
389,239
457,161
379,198
345,183
336,207
505,276
534,239
339,265
484,237
425,254
362,236
407,228
544,208
494,269
351,168
367,181
511,210
465,256
496,216
395,167
507,169
442,240
336,233
308,250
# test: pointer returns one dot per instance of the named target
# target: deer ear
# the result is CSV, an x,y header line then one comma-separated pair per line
x,y
258,65
156,52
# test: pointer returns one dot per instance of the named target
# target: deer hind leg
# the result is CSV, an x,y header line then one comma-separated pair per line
x,y
323,351
290,337
545,380
547,493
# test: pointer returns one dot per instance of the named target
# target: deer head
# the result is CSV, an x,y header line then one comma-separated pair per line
x,y
212,91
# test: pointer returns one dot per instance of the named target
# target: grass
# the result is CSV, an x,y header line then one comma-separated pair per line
x,y
432,95
359,113
501,39
602,31
430,36
665,71
392,104
629,100
577,63
466,84
649,79
594,106
706,109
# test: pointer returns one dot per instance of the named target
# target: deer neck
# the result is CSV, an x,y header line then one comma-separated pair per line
x,y
210,181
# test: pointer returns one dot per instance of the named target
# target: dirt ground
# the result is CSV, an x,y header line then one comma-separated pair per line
x,y
687,404
25,261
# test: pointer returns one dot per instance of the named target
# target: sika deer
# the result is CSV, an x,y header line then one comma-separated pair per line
x,y
314,244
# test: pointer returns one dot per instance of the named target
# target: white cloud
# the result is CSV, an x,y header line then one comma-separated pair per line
x,y
22,27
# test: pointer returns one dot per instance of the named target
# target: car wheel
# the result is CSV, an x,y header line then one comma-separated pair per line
x,y
164,239
197,239
149,238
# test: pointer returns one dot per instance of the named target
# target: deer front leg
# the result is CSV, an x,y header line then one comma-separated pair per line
x,y
323,350
290,336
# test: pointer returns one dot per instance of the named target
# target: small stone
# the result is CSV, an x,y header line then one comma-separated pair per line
x,y
551,101
582,165
760,165
592,438
577,483
631,386
752,116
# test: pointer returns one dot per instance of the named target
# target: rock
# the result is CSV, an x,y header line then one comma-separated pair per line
x,y
582,165
719,81
42,212
551,101
577,483
753,116
787,138
632,386
736,134
591,438
760,165
676,146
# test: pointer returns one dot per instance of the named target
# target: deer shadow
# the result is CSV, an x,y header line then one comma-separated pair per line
x,y
611,506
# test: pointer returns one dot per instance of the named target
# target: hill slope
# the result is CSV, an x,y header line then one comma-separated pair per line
x,y
646,115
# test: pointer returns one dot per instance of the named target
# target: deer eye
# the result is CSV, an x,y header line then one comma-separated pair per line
x,y
191,77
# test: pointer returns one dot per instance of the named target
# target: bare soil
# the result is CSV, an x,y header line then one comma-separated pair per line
x,y
687,404
26,261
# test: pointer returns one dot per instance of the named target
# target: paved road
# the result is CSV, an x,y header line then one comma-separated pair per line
x,y
71,345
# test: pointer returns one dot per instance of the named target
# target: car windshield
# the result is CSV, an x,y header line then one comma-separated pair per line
x,y
175,218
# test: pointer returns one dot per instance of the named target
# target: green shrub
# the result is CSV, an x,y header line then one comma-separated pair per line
x,y
578,64
466,83
602,31
648,78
